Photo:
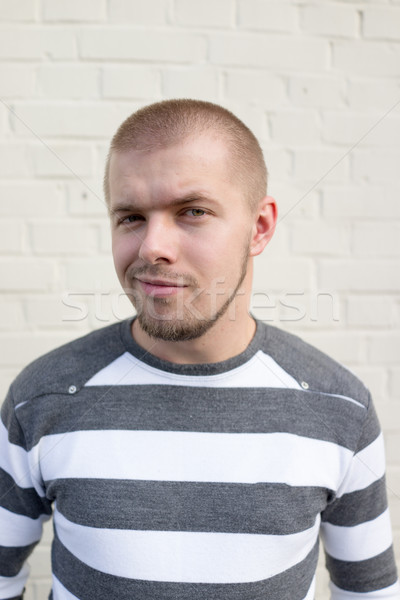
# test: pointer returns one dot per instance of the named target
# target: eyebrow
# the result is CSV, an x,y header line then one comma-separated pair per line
x,y
129,206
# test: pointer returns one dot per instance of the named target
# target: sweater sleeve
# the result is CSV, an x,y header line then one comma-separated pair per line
x,y
356,530
23,505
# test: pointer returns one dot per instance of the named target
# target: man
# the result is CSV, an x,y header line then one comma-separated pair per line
x,y
192,452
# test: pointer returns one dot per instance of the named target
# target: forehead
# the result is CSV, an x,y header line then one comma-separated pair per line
x,y
198,160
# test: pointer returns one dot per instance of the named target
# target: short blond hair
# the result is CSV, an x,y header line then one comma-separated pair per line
x,y
171,121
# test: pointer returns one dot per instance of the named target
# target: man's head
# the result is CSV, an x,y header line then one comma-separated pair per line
x,y
183,233
170,122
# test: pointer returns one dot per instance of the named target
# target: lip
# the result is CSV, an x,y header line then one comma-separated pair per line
x,y
160,287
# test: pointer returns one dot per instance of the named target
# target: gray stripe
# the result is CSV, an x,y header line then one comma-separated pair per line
x,y
23,501
306,363
365,505
188,506
12,559
89,584
365,575
370,429
172,408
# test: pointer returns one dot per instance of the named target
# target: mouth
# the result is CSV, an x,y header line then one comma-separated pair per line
x,y
160,287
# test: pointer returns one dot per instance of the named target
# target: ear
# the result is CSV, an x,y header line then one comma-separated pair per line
x,y
264,225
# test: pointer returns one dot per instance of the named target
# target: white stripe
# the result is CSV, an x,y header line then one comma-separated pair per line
x,y
14,460
260,371
388,593
60,592
359,542
190,557
193,456
18,530
11,587
367,466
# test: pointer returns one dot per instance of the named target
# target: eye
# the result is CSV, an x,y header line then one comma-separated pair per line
x,y
196,212
131,219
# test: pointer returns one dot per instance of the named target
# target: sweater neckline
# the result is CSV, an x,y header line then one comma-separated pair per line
x,y
191,369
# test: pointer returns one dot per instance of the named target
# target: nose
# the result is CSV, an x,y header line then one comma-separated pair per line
x,y
159,243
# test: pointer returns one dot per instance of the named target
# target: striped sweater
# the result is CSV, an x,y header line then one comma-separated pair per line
x,y
193,482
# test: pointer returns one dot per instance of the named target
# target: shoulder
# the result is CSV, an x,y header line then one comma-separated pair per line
x,y
70,364
312,368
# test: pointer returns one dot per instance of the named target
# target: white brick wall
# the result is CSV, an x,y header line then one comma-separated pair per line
x,y
311,78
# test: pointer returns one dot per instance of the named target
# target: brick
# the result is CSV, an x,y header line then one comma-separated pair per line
x,y
37,43
392,448
19,350
11,314
117,43
268,52
105,238
294,128
26,275
268,16
296,310
291,275
361,202
311,91
56,237
381,22
329,20
38,589
371,311
151,12
279,163
321,166
360,275
16,81
394,382
367,94
369,130
253,116
377,239
11,235
378,166
74,10
389,417
130,82
204,14
366,58
50,312
14,160
346,347
68,120
86,200
41,561
62,160
69,81
7,376
262,87
31,199
90,275
375,378
300,311
384,348
17,10
96,308
292,203
191,82
319,238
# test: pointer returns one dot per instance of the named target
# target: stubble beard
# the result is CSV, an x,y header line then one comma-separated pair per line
x,y
190,324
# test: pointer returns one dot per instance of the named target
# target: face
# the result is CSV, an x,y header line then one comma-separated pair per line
x,y
181,233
